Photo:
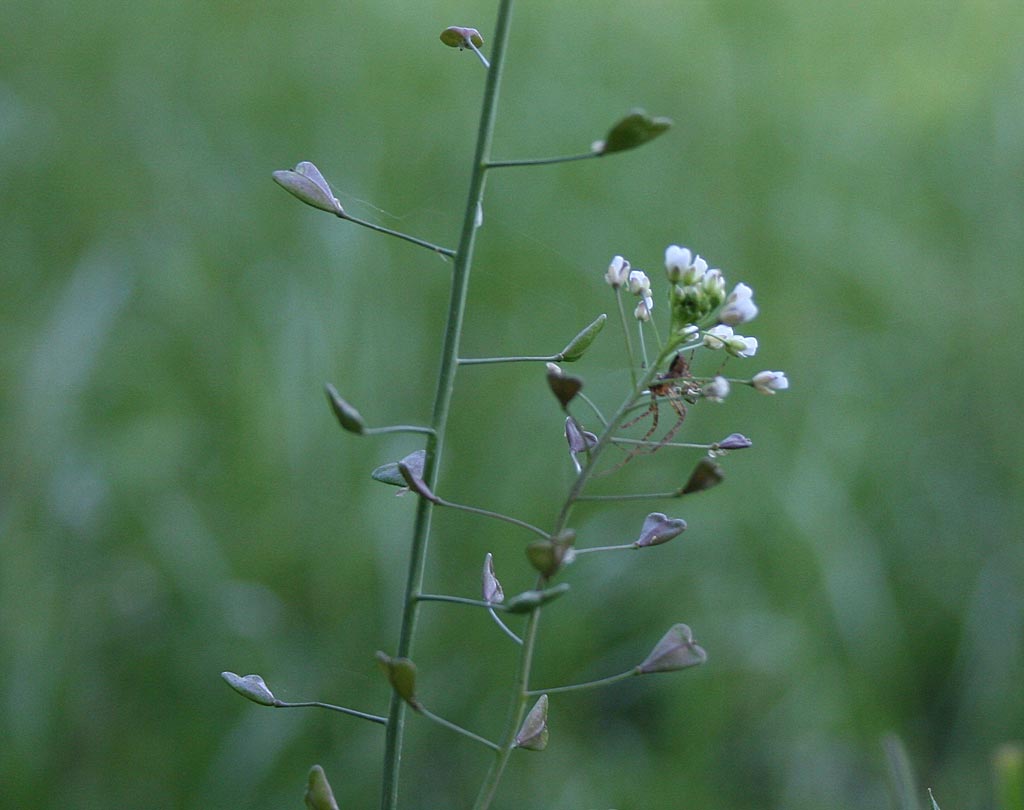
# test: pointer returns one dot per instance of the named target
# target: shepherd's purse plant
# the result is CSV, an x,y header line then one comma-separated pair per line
x,y
679,337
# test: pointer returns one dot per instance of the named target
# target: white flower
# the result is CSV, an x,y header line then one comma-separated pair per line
x,y
717,337
643,309
739,306
768,382
716,390
713,284
618,272
683,265
740,346
639,284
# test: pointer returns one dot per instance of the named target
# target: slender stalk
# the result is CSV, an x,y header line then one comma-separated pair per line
x,y
457,600
316,704
479,361
632,496
465,732
376,431
576,687
504,627
476,510
521,687
397,234
442,400
504,164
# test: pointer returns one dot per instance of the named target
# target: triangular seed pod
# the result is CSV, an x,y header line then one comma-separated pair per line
x,y
533,734
319,795
675,650
251,687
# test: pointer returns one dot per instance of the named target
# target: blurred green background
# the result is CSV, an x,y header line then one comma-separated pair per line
x,y
177,499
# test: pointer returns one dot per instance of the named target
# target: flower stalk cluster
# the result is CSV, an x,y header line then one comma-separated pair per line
x,y
699,322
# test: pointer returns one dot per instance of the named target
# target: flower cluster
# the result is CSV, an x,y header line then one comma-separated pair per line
x,y
702,313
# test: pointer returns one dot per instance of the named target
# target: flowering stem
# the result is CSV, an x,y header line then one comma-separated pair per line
x,y
629,673
398,234
442,399
504,164
280,704
643,344
625,332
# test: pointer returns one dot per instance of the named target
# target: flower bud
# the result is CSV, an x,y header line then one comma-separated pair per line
x,y
716,390
618,272
683,266
768,382
739,306
639,283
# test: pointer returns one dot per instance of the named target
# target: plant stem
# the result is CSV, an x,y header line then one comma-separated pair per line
x,y
522,693
457,600
316,704
503,164
397,234
442,400
465,732
479,361
576,687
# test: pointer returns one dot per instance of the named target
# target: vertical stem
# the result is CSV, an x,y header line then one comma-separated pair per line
x,y
522,696
442,401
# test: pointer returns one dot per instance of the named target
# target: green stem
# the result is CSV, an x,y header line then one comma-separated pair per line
x,y
575,687
457,600
373,718
479,361
442,400
476,510
522,693
377,431
397,234
504,164
504,627
635,496
625,332
592,549
458,729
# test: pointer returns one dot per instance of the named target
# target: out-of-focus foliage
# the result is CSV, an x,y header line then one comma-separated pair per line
x,y
176,498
